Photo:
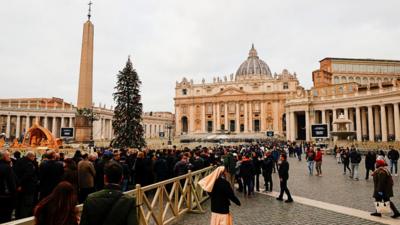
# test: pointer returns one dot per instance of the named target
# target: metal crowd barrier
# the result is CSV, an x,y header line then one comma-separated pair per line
x,y
163,202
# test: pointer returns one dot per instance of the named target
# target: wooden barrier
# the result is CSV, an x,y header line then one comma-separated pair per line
x,y
163,202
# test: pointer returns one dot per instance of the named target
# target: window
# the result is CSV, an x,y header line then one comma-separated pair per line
x,y
336,80
184,91
285,86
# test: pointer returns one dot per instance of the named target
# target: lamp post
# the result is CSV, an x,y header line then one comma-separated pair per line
x,y
169,127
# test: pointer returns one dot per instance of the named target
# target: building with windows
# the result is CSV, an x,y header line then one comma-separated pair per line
x,y
246,104
365,91
158,124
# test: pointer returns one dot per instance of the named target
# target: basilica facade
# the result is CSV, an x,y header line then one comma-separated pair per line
x,y
246,104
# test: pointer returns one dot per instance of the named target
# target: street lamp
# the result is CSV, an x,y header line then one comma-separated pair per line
x,y
169,128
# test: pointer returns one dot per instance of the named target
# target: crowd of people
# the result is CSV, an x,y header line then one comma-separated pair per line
x,y
28,185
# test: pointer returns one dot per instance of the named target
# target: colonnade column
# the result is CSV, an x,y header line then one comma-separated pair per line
x,y
246,118
237,118
287,118
218,117
8,128
364,122
214,118
377,122
70,122
383,123
27,123
203,118
226,117
45,124
390,122
62,122
358,124
18,128
307,125
276,120
396,121
54,127
371,124
292,127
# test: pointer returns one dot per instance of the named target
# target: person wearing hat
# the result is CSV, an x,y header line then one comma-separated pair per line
x,y
383,187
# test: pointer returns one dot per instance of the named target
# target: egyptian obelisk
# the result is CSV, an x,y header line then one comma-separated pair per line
x,y
85,91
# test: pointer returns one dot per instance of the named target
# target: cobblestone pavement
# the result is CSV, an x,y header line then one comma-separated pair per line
x,y
262,209
333,187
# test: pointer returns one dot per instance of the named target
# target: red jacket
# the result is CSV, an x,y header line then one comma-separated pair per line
x,y
318,156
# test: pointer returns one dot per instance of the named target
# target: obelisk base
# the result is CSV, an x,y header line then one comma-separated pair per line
x,y
82,129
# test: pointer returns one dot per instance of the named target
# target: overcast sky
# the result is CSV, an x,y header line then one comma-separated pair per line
x,y
40,41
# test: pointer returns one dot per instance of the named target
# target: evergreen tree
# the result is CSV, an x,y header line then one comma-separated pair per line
x,y
127,124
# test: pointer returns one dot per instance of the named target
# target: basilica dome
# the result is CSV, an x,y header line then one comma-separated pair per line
x,y
253,67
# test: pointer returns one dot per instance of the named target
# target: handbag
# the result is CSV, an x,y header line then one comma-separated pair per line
x,y
383,207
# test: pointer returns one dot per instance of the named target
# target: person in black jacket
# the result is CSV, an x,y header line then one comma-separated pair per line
x,y
221,195
257,171
370,159
393,156
51,173
247,173
283,172
27,181
7,187
267,167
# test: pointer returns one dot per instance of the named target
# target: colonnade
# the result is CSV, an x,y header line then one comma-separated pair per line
x,y
375,122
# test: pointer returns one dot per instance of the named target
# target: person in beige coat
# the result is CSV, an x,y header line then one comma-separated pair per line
x,y
86,175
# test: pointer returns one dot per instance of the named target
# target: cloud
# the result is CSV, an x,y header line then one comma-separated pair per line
x,y
40,41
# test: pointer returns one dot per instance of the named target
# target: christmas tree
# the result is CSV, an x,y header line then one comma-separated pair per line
x,y
127,120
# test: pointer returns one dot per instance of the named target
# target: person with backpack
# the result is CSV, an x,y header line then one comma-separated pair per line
x,y
110,206
310,160
355,159
383,187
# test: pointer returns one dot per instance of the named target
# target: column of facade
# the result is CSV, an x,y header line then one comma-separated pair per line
x,y
62,122
191,119
110,134
396,115
371,132
358,124
276,117
70,122
307,115
383,123
54,126
263,121
227,128
351,117
346,116
292,126
37,120
334,126
390,120
203,118
323,118
377,120
250,117
246,118
364,128
18,128
237,117
218,117
8,127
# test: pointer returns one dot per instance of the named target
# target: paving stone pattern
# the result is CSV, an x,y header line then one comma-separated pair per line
x,y
333,187
262,209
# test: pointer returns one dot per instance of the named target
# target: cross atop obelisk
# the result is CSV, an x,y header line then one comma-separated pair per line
x,y
90,10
